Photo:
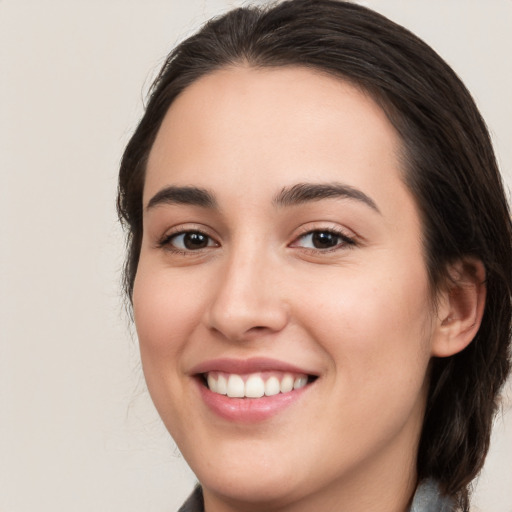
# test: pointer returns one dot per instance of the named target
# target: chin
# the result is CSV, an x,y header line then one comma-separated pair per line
x,y
252,475
266,489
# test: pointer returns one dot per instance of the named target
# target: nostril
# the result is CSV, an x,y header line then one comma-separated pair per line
x,y
242,307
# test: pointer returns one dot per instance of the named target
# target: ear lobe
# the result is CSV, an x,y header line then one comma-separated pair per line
x,y
461,308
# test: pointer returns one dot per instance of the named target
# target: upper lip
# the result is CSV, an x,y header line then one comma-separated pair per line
x,y
245,366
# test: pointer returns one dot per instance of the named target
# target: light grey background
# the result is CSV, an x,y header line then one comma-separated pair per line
x,y
77,429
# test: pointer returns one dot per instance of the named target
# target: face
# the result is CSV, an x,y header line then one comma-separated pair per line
x,y
281,300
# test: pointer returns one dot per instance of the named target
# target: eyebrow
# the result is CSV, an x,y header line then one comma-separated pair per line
x,y
288,196
306,192
194,196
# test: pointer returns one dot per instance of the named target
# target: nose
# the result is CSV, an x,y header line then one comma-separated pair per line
x,y
247,301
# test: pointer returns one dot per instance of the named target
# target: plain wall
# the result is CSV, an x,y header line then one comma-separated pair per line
x,y
77,429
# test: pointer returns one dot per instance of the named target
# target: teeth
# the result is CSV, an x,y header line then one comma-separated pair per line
x,y
300,382
272,386
287,383
254,385
213,383
236,387
222,385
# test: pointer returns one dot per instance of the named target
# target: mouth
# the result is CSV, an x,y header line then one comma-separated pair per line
x,y
251,390
254,385
252,378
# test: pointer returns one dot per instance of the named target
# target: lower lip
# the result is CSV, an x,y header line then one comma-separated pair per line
x,y
249,410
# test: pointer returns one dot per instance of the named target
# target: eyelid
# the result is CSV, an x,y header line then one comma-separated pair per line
x,y
164,241
348,238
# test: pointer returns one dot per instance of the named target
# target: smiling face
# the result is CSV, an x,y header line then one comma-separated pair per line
x,y
281,249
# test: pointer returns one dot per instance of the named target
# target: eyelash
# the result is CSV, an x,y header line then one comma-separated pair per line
x,y
344,241
166,241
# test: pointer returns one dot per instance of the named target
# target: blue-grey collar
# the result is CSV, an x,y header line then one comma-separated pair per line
x,y
428,498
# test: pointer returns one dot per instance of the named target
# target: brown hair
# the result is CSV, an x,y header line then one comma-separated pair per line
x,y
449,166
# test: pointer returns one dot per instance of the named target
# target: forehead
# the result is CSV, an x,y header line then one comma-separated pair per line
x,y
262,129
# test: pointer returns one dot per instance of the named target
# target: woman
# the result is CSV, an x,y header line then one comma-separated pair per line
x,y
319,264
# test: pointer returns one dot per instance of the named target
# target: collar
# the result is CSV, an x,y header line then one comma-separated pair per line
x,y
427,498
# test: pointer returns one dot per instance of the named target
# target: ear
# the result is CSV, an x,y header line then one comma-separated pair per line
x,y
460,308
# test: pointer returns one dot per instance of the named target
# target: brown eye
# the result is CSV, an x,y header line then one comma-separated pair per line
x,y
195,241
323,240
191,241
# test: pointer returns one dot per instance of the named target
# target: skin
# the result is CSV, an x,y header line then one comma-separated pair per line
x,y
358,315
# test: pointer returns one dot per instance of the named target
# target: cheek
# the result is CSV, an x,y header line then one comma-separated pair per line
x,y
165,312
378,341
373,325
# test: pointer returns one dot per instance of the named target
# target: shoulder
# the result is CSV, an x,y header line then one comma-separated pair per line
x,y
428,498
194,502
